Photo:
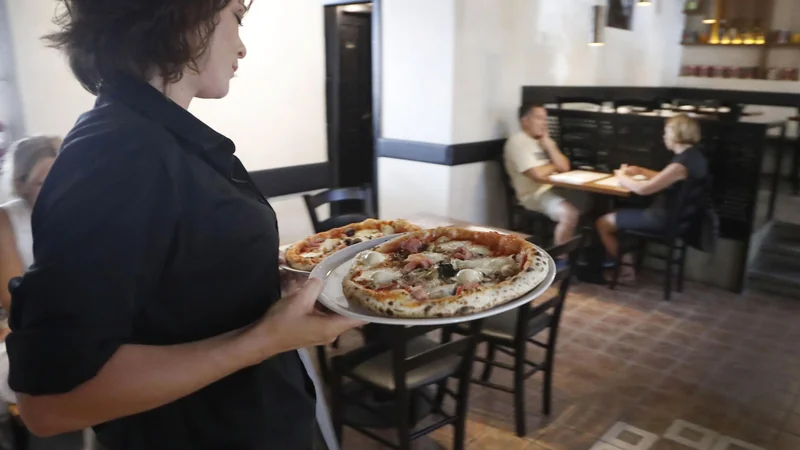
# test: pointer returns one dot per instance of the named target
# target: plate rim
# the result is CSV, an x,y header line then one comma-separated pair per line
x,y
323,272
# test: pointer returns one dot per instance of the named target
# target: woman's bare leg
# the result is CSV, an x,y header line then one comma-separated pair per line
x,y
607,230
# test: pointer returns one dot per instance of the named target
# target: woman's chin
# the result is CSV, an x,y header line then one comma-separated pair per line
x,y
216,92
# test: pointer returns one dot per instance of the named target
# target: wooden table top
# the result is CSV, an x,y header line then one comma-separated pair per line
x,y
596,186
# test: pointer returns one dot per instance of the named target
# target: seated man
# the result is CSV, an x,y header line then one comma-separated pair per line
x,y
531,156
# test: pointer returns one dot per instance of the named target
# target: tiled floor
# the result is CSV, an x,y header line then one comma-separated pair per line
x,y
712,369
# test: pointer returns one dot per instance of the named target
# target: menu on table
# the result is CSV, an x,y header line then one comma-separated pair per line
x,y
578,177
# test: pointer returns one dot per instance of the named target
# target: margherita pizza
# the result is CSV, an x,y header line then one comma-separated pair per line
x,y
444,272
306,254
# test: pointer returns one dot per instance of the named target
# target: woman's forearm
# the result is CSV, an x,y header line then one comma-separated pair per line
x,y
140,378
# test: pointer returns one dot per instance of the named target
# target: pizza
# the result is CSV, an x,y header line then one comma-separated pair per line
x,y
444,272
306,254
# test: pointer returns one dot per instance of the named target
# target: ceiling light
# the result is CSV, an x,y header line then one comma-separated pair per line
x,y
598,32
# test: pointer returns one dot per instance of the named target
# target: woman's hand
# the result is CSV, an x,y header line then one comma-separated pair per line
x,y
294,323
631,170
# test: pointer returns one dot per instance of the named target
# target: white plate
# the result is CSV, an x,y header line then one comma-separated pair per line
x,y
333,269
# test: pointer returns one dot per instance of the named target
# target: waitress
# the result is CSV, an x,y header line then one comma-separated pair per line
x,y
152,311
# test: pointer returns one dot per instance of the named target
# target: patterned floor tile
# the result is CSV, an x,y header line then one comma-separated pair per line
x,y
627,437
691,435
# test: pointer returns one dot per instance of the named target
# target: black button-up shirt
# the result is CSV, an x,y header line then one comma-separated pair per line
x,y
148,230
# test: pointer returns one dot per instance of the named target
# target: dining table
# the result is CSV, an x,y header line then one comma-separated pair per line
x,y
604,189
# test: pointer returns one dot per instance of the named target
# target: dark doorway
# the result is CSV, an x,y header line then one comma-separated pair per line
x,y
351,133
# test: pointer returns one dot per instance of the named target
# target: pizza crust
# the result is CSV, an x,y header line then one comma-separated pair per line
x,y
399,302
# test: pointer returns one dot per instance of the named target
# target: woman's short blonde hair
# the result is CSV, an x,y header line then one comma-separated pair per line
x,y
685,129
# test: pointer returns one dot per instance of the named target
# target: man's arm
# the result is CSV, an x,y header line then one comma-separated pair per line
x,y
560,162
542,173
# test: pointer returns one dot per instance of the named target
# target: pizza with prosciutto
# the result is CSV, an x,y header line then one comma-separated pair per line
x,y
444,272
306,254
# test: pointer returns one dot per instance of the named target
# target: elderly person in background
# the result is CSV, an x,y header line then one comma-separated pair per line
x,y
681,136
25,167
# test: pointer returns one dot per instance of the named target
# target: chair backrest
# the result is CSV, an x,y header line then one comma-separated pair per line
x,y
678,221
362,194
554,304
508,190
402,363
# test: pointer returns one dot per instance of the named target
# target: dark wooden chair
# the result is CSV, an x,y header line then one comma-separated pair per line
x,y
673,237
510,333
363,195
401,367
520,218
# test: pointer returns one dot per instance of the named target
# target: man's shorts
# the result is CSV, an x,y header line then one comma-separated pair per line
x,y
549,202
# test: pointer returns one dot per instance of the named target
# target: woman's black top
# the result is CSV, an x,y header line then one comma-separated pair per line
x,y
148,230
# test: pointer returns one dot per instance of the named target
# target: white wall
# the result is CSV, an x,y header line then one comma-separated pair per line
x,y
418,42
275,112
453,73
545,42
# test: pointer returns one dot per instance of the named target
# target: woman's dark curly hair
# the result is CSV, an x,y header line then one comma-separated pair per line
x,y
143,38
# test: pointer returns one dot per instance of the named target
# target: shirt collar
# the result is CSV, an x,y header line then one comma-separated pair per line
x,y
151,103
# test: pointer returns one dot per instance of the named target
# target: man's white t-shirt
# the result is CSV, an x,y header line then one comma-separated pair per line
x,y
522,153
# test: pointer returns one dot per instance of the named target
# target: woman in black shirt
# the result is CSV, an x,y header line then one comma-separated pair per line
x,y
681,136
152,311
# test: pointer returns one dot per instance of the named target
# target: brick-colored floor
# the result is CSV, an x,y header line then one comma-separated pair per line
x,y
724,362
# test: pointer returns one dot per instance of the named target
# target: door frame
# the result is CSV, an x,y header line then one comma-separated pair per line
x,y
332,95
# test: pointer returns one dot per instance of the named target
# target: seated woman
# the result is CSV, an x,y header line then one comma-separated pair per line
x,y
681,135
24,169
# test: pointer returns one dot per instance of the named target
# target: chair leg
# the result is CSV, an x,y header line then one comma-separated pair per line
x,y
668,277
403,429
487,368
547,386
681,268
447,336
618,266
640,257
519,388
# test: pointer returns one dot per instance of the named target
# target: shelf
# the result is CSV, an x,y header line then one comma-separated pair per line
x,y
770,46
700,44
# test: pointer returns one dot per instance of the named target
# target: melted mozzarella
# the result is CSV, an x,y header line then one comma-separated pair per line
x,y
387,230
367,234
330,244
381,276
434,257
311,254
466,276
370,259
455,245
487,266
